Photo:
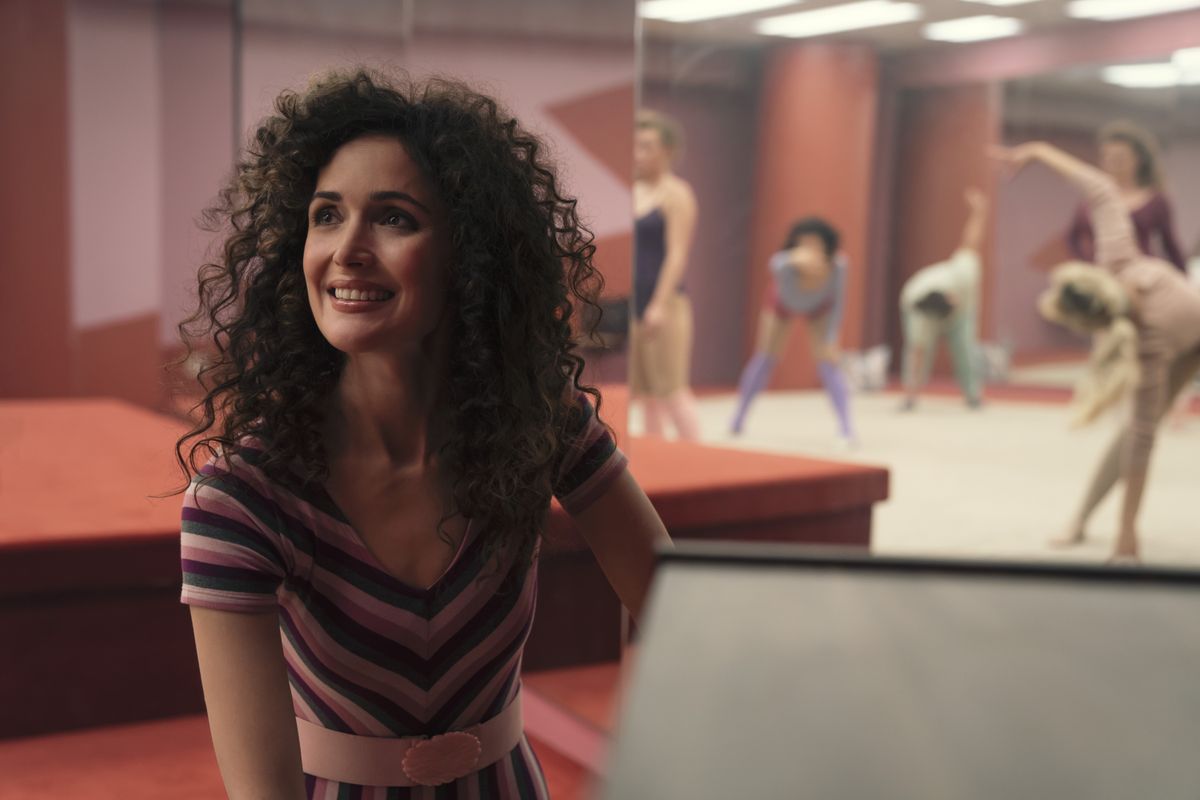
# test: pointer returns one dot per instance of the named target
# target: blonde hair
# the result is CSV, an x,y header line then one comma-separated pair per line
x,y
669,132
1088,300
1144,146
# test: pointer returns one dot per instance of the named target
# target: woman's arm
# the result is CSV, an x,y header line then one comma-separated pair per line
x,y
249,703
623,531
679,215
1113,230
974,227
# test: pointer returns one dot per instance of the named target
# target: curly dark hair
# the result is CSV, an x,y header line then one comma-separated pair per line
x,y
813,226
521,268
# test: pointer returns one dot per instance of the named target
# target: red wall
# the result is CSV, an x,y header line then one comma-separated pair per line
x,y
35,314
942,137
816,139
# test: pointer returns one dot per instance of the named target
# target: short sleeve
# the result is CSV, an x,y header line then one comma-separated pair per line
x,y
231,559
591,460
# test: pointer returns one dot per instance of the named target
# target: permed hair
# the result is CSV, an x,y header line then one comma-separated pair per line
x,y
669,132
1145,149
521,270
814,226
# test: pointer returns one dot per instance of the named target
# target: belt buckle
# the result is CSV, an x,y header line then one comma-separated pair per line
x,y
443,758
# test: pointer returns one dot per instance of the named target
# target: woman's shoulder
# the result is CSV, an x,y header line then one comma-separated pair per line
x,y
243,460
677,192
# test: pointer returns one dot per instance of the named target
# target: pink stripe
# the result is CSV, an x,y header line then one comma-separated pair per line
x,y
367,675
344,709
594,486
453,679
526,749
226,601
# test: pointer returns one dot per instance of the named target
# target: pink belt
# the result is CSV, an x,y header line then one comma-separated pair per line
x,y
409,761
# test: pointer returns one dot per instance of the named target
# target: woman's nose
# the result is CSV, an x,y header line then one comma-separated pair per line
x,y
354,248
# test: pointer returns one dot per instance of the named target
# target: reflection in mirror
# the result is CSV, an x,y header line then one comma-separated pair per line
x,y
854,169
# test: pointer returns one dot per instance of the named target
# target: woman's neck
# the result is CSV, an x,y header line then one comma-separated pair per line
x,y
655,182
385,407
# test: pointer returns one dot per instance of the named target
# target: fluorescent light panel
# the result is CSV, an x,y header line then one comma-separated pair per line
x,y
848,17
1001,2
1143,76
972,29
697,10
1187,59
1125,9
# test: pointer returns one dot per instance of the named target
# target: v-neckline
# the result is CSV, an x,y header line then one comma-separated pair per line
x,y
377,562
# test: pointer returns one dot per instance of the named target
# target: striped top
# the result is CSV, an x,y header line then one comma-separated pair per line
x,y
367,653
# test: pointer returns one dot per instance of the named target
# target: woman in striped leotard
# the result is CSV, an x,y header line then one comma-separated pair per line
x,y
394,401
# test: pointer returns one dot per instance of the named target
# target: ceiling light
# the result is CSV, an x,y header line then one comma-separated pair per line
x,y
1001,2
1124,9
1143,76
972,29
848,17
696,10
1187,59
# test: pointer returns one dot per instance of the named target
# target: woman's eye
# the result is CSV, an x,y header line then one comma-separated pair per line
x,y
397,219
323,216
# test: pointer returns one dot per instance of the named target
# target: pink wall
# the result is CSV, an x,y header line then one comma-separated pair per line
x,y
530,78
196,63
115,160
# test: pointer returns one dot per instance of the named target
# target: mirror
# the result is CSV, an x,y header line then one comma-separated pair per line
x,y
878,124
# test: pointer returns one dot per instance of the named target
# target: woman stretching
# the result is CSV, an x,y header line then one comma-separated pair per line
x,y
1147,318
808,279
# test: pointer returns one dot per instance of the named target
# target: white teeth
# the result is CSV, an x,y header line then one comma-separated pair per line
x,y
361,294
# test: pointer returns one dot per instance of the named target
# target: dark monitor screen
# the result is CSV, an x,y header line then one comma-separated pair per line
x,y
773,672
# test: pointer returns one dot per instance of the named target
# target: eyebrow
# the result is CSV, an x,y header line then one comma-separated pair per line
x,y
376,197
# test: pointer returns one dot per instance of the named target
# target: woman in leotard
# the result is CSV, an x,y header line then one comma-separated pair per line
x,y
660,335
394,399
808,279
1146,319
1129,154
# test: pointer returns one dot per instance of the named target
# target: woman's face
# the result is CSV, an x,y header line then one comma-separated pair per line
x,y
809,251
1119,160
650,157
376,256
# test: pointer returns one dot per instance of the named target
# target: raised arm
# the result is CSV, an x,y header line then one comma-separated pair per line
x,y
249,703
1113,230
973,229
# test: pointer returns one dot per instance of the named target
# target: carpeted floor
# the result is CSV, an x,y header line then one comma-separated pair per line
x,y
994,483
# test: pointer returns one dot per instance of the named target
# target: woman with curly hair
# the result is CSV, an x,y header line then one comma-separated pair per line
x,y
1145,317
394,400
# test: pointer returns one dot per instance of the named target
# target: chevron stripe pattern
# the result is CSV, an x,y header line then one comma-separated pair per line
x,y
367,653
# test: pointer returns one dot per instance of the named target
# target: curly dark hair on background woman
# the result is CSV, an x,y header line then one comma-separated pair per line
x,y
521,267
